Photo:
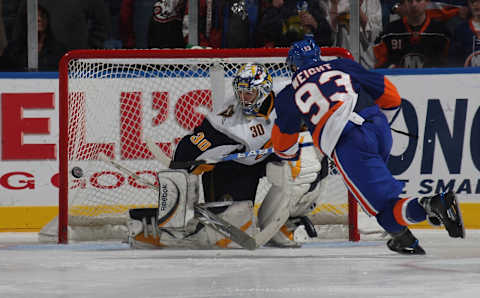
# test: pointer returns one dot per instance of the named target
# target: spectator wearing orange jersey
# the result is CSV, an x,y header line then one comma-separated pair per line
x,y
465,49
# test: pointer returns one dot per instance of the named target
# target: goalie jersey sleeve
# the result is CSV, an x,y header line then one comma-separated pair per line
x,y
228,132
324,97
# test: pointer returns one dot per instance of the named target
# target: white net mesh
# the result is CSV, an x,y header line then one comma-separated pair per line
x,y
116,104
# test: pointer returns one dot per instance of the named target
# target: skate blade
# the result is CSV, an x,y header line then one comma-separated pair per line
x,y
412,251
415,250
455,227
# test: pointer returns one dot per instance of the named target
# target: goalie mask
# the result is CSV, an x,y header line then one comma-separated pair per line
x,y
303,53
252,84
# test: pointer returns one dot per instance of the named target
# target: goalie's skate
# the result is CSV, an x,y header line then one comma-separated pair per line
x,y
405,243
285,237
443,208
225,228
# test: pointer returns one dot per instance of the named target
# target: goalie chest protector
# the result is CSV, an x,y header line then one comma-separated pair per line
x,y
252,132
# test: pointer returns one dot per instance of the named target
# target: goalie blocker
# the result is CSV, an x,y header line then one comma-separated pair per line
x,y
179,222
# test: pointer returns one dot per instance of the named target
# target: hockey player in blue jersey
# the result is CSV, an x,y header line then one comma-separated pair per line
x,y
348,111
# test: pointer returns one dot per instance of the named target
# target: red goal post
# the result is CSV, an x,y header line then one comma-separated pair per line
x,y
102,109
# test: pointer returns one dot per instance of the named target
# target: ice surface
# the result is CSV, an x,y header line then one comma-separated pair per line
x,y
451,268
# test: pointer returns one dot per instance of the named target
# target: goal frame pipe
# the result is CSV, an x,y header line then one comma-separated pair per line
x,y
142,54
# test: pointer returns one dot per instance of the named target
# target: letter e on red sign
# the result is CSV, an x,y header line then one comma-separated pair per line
x,y
15,126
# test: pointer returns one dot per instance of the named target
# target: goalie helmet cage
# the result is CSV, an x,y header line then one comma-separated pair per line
x,y
101,111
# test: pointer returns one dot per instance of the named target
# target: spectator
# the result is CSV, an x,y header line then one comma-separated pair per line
x,y
127,31
399,10
238,20
388,9
209,25
447,9
134,21
49,49
450,13
225,23
465,48
287,21
228,23
415,41
370,26
3,34
114,40
221,23
9,14
166,22
78,24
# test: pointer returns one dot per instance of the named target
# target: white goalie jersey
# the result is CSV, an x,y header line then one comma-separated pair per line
x,y
229,131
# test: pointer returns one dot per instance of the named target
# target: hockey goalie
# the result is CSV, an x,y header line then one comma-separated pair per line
x,y
230,187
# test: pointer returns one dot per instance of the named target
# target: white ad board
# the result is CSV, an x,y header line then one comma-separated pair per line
x,y
442,111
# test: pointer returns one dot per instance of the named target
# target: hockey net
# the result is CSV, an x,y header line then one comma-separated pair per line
x,y
112,101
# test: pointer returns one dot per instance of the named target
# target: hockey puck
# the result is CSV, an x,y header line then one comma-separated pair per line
x,y
77,172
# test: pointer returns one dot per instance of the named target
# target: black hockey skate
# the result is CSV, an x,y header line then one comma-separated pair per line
x,y
443,209
405,243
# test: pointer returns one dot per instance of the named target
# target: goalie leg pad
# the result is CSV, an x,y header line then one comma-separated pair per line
x,y
142,234
178,192
295,187
299,180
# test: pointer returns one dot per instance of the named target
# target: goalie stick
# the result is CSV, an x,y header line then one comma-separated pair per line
x,y
207,218
225,228
166,161
233,156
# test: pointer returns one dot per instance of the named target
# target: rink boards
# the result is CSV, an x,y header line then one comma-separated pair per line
x,y
441,107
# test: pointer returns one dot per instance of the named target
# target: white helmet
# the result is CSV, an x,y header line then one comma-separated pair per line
x,y
252,84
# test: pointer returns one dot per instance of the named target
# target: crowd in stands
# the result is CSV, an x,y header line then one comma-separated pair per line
x,y
393,33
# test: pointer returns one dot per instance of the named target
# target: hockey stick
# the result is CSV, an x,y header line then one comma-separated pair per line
x,y
233,156
404,133
165,160
157,153
126,170
208,218
225,228
262,237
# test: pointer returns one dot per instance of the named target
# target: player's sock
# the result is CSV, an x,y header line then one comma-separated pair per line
x,y
405,243
443,208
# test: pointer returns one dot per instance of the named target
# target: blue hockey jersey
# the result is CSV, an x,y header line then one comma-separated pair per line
x,y
324,97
